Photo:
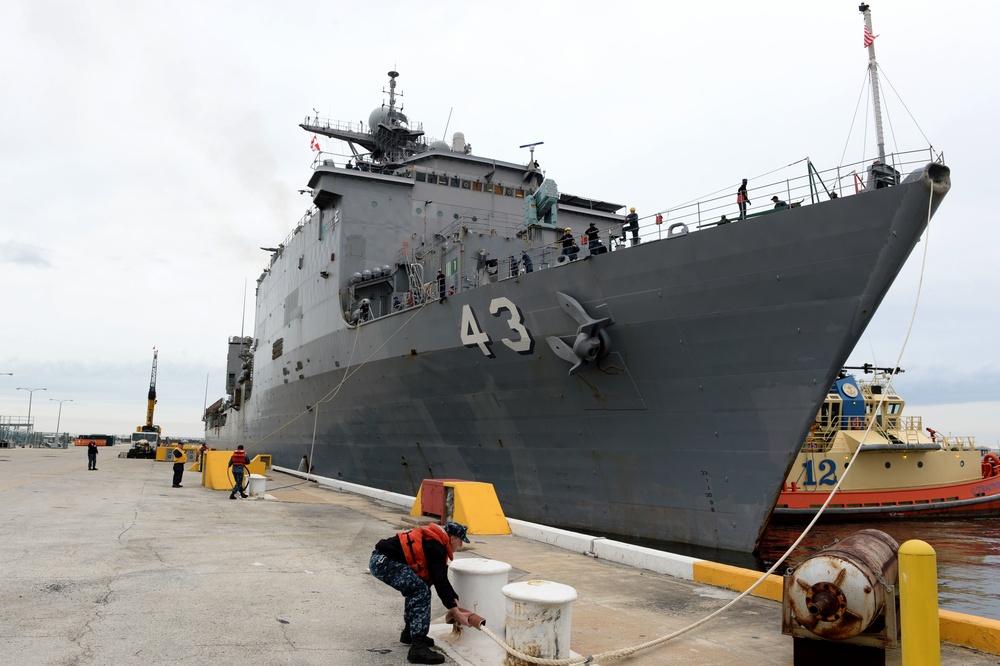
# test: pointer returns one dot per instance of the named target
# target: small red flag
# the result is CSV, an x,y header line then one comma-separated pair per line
x,y
869,37
314,144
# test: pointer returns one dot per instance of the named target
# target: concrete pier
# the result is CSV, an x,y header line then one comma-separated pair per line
x,y
116,567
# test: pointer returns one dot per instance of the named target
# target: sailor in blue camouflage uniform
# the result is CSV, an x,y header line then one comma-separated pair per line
x,y
411,562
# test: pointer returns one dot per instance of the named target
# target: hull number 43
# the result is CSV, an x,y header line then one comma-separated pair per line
x,y
473,335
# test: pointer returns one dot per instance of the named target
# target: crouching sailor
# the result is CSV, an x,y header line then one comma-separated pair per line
x,y
411,562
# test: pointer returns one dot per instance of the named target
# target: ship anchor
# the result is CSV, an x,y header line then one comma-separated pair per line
x,y
591,342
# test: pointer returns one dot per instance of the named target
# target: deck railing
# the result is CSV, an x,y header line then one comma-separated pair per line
x,y
808,186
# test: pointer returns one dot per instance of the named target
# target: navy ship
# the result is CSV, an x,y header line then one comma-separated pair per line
x,y
440,314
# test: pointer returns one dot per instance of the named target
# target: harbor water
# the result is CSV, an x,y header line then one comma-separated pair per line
x,y
968,553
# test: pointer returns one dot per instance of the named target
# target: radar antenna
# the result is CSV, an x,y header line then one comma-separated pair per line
x,y
531,149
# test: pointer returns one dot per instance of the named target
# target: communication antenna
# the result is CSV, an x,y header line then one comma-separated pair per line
x,y
445,135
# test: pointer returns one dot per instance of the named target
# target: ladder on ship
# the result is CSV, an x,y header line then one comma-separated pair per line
x,y
414,276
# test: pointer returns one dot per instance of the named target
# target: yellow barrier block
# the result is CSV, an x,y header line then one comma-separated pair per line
x,y
475,505
261,461
216,475
735,578
979,633
415,510
165,453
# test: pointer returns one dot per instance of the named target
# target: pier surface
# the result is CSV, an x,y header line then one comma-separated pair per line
x,y
116,567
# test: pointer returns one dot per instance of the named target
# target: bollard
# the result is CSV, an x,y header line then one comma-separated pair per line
x,y
479,584
257,484
918,604
538,619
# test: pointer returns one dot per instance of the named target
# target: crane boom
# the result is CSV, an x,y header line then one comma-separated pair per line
x,y
146,437
151,398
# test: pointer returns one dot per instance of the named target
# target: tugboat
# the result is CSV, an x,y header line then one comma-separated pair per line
x,y
904,469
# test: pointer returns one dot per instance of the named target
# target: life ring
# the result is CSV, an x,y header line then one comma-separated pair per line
x,y
856,423
992,461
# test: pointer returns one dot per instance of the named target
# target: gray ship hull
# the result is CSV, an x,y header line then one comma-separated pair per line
x,y
721,347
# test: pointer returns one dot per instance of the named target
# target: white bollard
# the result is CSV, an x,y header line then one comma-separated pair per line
x,y
538,619
257,484
479,584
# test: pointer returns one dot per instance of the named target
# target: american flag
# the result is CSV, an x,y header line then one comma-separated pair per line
x,y
869,37
314,144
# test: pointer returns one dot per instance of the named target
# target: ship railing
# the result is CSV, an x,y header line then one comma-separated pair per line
x,y
299,226
808,186
858,423
335,125
360,127
819,441
957,442
884,387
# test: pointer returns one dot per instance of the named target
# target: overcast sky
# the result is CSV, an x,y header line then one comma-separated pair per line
x,y
147,151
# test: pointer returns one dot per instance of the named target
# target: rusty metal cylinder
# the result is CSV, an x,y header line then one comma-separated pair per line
x,y
539,617
837,593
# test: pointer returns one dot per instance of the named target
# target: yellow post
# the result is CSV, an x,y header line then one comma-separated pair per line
x,y
918,604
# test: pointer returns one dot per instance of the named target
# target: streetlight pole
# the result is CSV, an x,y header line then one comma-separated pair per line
x,y
31,393
59,418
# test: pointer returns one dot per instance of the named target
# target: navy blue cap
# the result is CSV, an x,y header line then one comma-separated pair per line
x,y
456,530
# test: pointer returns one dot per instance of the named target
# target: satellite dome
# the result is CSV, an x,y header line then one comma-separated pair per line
x,y
440,145
383,115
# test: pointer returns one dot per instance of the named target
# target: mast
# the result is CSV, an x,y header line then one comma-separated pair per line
x,y
392,91
873,73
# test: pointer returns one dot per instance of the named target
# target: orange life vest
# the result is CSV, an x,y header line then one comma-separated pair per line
x,y
413,547
239,457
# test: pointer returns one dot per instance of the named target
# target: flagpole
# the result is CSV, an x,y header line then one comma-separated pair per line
x,y
873,73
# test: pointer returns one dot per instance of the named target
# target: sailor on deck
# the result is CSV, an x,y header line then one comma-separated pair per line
x,y
631,223
569,247
743,199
